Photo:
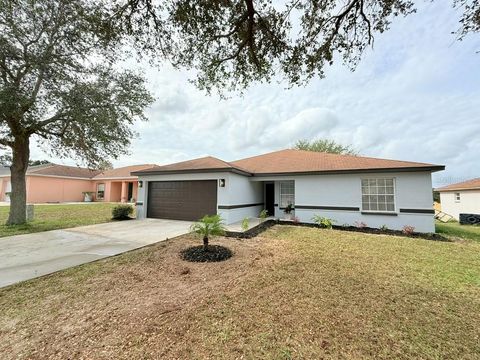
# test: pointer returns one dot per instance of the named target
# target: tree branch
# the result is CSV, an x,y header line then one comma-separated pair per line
x,y
250,32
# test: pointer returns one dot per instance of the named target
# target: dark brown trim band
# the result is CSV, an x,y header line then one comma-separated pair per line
x,y
313,207
418,211
378,213
139,203
293,173
230,207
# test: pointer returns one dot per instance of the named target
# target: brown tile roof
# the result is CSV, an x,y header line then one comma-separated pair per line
x,y
208,163
472,184
123,172
301,161
291,161
61,170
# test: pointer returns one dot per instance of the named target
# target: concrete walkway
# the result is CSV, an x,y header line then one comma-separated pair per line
x,y
24,257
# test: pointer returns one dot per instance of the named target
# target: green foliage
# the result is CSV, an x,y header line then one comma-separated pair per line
x,y
263,215
122,212
288,209
104,165
209,225
38,162
51,217
384,227
6,160
454,230
323,222
325,145
245,224
59,83
232,44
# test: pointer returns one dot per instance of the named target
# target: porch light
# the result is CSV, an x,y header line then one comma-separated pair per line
x,y
221,182
140,183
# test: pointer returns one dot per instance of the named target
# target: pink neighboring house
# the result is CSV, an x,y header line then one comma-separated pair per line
x,y
53,183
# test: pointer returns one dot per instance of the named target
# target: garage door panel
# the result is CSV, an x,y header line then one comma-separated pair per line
x,y
182,200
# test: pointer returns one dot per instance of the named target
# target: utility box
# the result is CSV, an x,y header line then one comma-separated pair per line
x,y
30,212
469,219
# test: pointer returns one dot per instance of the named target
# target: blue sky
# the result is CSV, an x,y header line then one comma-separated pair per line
x,y
414,96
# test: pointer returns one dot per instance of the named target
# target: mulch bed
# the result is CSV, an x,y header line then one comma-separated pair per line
x,y
426,236
123,218
254,231
269,223
215,253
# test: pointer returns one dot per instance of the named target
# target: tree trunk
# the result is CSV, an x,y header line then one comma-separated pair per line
x,y
18,169
205,243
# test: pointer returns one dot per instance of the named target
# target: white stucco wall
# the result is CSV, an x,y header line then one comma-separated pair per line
x,y
238,190
413,190
242,191
469,203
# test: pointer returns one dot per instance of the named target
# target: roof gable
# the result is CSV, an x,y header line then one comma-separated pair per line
x,y
207,163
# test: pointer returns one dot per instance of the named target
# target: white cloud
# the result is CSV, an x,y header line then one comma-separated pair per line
x,y
414,97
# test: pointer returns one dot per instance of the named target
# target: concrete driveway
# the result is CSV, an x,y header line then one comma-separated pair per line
x,y
24,257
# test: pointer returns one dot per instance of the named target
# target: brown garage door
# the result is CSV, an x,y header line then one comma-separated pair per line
x,y
182,200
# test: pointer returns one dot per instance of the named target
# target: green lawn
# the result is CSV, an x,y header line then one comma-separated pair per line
x,y
50,217
291,293
455,230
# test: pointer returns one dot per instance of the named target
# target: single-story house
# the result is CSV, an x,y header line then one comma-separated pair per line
x,y
53,183
461,198
348,189
118,185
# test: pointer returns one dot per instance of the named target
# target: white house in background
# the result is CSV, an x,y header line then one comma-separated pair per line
x,y
347,189
461,198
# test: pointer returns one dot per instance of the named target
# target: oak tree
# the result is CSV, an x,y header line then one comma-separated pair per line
x,y
58,83
232,43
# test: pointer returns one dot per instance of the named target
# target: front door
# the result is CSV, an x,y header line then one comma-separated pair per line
x,y
130,192
270,198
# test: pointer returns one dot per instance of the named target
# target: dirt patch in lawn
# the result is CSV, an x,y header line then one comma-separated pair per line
x,y
292,293
109,308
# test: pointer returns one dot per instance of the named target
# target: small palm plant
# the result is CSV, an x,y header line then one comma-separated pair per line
x,y
209,225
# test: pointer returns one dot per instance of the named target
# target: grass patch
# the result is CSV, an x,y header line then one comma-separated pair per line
x,y
293,293
453,229
51,217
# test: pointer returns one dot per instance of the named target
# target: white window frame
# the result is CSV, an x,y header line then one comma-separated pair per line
x,y
457,197
96,193
394,194
282,203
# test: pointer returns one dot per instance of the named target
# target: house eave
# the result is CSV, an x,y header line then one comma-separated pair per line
x,y
458,189
58,176
191,171
353,171
115,178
